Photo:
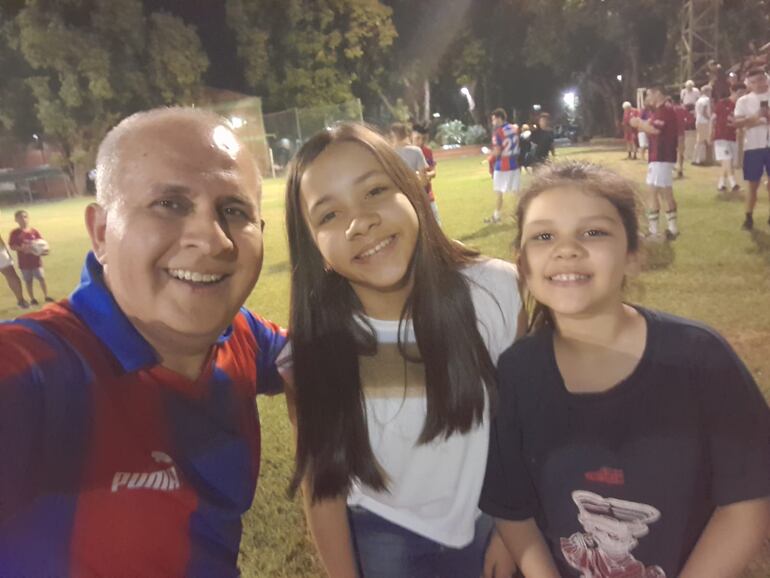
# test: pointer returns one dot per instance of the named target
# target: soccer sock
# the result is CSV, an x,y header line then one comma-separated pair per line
x,y
496,215
652,221
721,182
731,181
671,217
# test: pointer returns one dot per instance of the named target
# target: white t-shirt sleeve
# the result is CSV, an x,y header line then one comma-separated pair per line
x,y
495,293
741,107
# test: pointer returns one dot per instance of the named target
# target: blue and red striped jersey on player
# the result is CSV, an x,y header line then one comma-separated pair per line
x,y
113,465
505,141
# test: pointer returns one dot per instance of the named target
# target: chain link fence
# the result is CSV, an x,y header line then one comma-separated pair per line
x,y
288,129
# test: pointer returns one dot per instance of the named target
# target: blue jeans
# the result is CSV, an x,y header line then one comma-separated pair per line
x,y
386,550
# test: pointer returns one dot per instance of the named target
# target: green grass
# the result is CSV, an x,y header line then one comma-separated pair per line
x,y
714,273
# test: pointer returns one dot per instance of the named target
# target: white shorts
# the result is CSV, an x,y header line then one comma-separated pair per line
x,y
660,174
506,181
5,259
725,150
644,141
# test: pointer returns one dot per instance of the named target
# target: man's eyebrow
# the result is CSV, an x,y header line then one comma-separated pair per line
x,y
238,199
170,189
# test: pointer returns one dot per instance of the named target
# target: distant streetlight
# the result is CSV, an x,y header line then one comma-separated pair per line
x,y
570,99
436,115
619,77
237,122
536,107
467,94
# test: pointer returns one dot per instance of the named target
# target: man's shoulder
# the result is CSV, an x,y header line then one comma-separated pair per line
x,y
745,99
411,149
249,322
42,344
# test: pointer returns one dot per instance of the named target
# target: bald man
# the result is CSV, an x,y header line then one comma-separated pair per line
x,y
129,437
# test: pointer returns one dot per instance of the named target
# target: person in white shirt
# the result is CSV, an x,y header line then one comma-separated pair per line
x,y
751,114
702,127
395,333
689,95
410,154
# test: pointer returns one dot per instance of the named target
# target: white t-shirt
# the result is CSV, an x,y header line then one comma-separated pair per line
x,y
754,137
413,157
703,110
433,488
689,97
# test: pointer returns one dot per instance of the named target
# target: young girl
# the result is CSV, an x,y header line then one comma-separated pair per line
x,y
395,332
627,442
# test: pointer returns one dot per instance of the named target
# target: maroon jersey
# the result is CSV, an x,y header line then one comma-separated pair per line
x,y
629,132
19,237
663,145
628,114
723,127
681,118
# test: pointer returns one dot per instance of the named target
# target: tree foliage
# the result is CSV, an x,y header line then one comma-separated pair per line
x,y
303,53
17,113
91,62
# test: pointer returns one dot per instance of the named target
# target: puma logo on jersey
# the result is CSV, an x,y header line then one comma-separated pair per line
x,y
165,480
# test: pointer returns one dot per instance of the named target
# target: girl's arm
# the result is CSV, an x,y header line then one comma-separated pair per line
x,y
528,548
328,523
732,538
326,519
498,562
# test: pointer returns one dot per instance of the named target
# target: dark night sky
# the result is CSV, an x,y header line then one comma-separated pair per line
x,y
208,17
225,71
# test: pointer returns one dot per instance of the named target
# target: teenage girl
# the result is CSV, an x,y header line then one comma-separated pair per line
x,y
395,332
627,442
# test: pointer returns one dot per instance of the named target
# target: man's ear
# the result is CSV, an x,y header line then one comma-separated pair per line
x,y
96,223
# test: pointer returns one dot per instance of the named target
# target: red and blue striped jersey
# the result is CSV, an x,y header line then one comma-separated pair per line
x,y
506,142
113,465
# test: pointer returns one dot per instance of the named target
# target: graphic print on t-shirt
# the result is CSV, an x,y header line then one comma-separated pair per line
x,y
612,530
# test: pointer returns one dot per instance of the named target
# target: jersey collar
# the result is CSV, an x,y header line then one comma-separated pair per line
x,y
96,307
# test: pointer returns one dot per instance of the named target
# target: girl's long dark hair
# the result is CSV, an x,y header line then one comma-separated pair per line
x,y
332,437
590,178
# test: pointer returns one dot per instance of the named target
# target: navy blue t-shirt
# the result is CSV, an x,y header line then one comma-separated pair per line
x,y
623,482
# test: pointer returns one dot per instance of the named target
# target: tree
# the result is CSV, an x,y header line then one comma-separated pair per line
x,y
306,53
95,61
591,42
17,113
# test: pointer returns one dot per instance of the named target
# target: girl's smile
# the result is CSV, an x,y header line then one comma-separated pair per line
x,y
364,227
574,251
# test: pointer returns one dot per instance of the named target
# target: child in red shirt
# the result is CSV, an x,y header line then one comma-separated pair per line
x,y
31,265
